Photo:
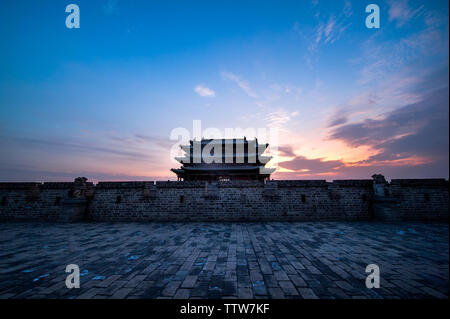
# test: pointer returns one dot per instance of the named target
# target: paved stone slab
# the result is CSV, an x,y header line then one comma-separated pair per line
x,y
224,260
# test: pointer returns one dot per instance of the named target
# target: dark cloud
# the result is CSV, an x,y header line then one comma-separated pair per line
x,y
419,129
338,170
416,131
286,151
433,81
314,166
338,120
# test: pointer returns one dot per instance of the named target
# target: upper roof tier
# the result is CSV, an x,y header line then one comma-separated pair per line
x,y
239,144
224,140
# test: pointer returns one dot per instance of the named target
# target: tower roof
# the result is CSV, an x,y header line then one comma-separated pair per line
x,y
210,159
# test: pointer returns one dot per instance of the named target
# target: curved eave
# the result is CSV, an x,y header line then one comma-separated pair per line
x,y
263,159
260,147
266,170
213,169
261,171
182,160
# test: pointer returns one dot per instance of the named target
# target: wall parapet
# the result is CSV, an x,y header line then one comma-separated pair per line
x,y
58,185
187,184
302,183
19,185
420,182
353,182
118,185
240,184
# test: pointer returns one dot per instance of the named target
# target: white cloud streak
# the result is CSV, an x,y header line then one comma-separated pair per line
x,y
204,91
244,85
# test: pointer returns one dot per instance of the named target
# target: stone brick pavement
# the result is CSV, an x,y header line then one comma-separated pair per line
x,y
224,260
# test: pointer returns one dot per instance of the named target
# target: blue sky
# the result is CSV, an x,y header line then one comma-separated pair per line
x,y
101,101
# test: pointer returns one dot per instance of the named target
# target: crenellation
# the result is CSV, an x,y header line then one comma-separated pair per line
x,y
18,185
429,182
120,185
186,184
57,185
302,183
353,182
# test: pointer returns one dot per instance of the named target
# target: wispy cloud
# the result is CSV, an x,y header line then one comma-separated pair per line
x,y
75,147
111,7
38,175
391,70
331,30
204,91
107,156
401,12
244,85
279,117
326,31
348,9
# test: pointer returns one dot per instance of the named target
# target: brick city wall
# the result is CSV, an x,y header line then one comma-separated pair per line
x,y
25,201
300,200
228,201
420,199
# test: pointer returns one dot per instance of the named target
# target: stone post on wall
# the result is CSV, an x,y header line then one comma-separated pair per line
x,y
74,206
383,205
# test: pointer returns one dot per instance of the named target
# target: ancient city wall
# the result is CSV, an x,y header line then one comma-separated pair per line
x,y
420,199
25,201
228,201
300,200
44,201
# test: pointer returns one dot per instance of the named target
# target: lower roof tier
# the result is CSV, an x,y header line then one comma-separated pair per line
x,y
238,170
